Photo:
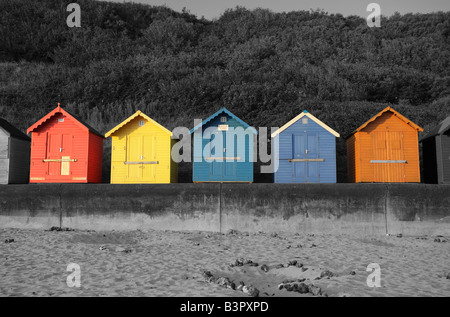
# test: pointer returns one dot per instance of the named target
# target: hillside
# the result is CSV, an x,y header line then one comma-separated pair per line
x,y
265,67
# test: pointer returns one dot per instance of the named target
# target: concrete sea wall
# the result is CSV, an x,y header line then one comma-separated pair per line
x,y
363,209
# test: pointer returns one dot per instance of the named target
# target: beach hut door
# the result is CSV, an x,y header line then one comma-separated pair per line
x,y
230,156
141,161
59,156
304,162
149,157
388,157
223,162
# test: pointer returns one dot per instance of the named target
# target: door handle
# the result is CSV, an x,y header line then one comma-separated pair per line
x,y
306,152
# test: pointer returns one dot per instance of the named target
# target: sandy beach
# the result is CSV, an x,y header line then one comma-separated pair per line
x,y
168,263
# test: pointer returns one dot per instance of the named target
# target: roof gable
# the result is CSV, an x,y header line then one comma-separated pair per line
x,y
138,113
442,128
57,110
223,110
310,116
12,131
396,113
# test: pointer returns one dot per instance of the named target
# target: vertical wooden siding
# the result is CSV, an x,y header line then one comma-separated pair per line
x,y
352,159
445,150
173,165
19,165
326,149
163,172
95,158
244,167
401,142
39,171
431,153
4,157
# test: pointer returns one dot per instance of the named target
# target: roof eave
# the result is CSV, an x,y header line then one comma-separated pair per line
x,y
309,115
132,117
50,115
395,112
204,122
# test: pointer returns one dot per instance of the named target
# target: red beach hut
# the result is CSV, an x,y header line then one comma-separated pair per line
x,y
65,150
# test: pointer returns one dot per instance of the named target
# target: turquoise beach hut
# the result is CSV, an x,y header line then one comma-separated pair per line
x,y
223,149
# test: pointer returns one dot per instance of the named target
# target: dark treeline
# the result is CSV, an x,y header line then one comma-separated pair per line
x,y
265,67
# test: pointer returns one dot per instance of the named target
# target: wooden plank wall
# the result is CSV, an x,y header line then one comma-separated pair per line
x,y
95,158
4,157
445,150
19,171
244,168
352,160
430,160
119,153
389,122
80,143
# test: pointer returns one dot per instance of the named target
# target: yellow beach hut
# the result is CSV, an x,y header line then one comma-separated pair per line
x,y
141,152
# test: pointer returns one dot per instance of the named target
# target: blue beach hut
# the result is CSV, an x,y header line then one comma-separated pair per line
x,y
223,149
306,151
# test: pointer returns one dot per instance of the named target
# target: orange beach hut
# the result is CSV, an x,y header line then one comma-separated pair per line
x,y
385,149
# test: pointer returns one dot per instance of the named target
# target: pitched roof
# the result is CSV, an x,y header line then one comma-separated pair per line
x,y
223,110
305,114
13,131
66,113
440,129
138,113
396,113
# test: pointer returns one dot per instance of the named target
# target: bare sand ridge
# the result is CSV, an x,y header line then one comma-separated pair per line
x,y
166,263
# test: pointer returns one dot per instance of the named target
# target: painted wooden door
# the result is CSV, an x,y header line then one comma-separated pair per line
x,y
141,158
134,157
59,147
223,164
230,156
216,156
299,152
149,157
305,148
388,157
313,154
396,153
